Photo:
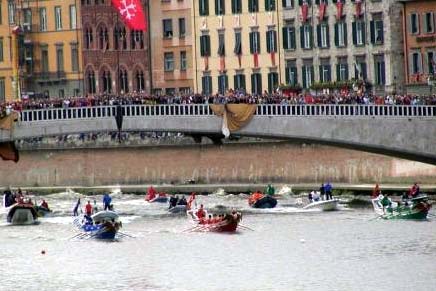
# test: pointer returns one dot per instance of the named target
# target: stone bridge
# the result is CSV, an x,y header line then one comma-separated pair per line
x,y
401,131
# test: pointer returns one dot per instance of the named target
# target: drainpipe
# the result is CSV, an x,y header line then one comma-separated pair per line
x,y
406,52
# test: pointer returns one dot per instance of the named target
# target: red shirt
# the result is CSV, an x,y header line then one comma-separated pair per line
x,y
88,209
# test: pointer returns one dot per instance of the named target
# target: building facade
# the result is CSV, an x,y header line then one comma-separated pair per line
x,y
258,45
419,28
48,42
115,58
6,79
171,46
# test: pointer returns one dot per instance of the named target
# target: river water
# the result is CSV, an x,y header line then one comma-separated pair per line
x,y
289,249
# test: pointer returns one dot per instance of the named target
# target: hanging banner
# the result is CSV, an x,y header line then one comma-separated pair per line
x,y
358,8
304,11
340,8
322,8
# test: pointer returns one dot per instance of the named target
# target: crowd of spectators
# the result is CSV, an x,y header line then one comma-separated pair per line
x,y
230,97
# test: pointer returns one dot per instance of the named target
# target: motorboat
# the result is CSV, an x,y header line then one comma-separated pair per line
x,y
259,200
178,209
416,208
22,213
324,205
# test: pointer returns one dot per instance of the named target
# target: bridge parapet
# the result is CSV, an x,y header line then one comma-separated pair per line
x,y
203,110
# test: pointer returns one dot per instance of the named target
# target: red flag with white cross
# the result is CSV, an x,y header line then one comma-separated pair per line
x,y
132,13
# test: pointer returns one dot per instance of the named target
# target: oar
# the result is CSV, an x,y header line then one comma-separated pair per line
x,y
124,234
245,227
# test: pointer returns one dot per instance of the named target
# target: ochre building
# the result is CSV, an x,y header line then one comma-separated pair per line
x,y
6,79
171,46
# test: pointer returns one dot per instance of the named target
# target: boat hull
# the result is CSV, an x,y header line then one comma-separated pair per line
x,y
265,202
178,209
42,211
325,205
22,214
159,200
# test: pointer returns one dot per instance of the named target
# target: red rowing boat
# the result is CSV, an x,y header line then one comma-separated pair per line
x,y
225,223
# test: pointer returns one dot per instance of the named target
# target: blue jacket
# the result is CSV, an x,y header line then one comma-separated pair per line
x,y
107,199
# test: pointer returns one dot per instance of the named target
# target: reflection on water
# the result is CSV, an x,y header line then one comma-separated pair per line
x,y
290,249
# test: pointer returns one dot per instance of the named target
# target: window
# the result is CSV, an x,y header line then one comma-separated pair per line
x,y
325,72
431,62
306,34
106,81
238,44
223,84
42,19
289,38
139,76
271,41
288,4
137,39
58,18
103,38
167,28
416,63
236,6
90,80
380,78
377,36
1,50
168,62
74,58
291,75
358,28
120,38
273,81
308,75
203,7
2,90
183,61
61,93
59,59
323,35
182,27
1,13
11,11
73,17
342,70
27,15
219,7
341,34
414,23
205,46
428,22
221,45
360,69
123,81
270,5
206,84
254,42
239,82
253,6
170,91
44,60
89,38
256,83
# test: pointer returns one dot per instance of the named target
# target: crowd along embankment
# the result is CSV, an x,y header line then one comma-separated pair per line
x,y
252,163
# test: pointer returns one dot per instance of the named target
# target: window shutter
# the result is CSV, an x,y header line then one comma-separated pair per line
x,y
268,41
328,35
372,30
243,82
312,74
345,34
208,45
270,81
364,33
383,76
275,40
321,79
302,37
300,2
251,43
338,70
311,36
346,72
293,39
382,32
287,75
363,70
285,37
354,32
258,42
295,73
284,3
318,34
259,83
329,73
336,35
253,88
303,73
235,82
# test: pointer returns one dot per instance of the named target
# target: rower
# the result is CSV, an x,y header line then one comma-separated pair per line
x,y
200,212
88,208
44,204
173,201
182,201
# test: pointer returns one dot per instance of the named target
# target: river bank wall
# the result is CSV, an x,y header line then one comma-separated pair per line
x,y
231,163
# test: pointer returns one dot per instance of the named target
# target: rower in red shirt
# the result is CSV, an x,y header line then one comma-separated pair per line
x,y
88,208
200,212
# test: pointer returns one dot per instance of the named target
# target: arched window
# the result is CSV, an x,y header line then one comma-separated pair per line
x,y
89,39
120,38
106,80
124,81
139,76
90,80
103,35
136,39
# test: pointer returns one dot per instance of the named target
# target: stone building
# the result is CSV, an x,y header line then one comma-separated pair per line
x,y
258,45
115,58
171,46
6,78
419,28
45,49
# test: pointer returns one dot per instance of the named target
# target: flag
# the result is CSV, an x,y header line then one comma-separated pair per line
x,y
132,13
191,199
206,63
358,8
256,59
273,58
304,10
222,63
240,59
339,7
322,8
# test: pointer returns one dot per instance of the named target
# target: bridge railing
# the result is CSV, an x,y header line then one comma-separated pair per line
x,y
312,110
